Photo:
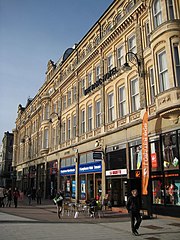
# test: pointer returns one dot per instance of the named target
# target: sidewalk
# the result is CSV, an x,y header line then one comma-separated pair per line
x,y
46,212
43,218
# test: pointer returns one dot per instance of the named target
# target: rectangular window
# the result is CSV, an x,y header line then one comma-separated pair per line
x,y
171,9
64,102
158,192
47,111
177,64
170,151
74,126
152,85
111,116
90,118
172,189
82,121
46,138
163,72
157,13
132,44
63,131
59,106
69,98
147,34
98,114
53,137
135,100
89,78
98,72
155,156
74,93
57,135
68,129
82,87
109,62
122,101
120,56
136,157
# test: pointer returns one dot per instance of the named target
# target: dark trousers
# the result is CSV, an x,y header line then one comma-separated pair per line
x,y
15,202
135,220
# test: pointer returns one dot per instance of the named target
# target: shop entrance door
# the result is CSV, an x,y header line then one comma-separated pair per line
x,y
98,190
118,192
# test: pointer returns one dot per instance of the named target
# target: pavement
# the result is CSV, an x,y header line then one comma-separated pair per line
x,y
41,222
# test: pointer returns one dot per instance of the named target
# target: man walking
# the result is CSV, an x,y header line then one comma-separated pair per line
x,y
133,207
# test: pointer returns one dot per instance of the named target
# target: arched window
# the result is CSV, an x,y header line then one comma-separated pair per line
x,y
157,13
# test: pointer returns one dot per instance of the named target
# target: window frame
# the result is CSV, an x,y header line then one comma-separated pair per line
x,y
90,118
162,73
111,110
98,114
157,14
135,98
122,103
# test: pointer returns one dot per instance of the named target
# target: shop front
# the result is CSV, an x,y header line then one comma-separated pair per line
x,y
164,182
116,175
52,170
165,173
89,179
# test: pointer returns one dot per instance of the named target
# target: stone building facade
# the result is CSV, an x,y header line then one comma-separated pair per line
x,y
82,132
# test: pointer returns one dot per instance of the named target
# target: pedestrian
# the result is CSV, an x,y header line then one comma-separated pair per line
x,y
39,195
16,195
29,195
9,197
133,207
93,206
59,202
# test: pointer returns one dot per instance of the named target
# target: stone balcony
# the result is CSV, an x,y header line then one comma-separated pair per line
x,y
168,104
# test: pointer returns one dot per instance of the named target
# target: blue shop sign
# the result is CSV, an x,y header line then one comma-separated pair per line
x,y
67,170
83,168
90,167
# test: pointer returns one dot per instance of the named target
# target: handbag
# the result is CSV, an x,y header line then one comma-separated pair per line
x,y
57,199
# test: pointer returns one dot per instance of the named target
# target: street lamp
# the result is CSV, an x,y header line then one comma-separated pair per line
x,y
139,64
132,57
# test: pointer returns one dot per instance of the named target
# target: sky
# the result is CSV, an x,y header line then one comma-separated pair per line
x,y
31,33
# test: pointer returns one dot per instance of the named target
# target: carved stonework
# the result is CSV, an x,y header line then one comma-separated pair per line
x,y
121,122
135,116
110,126
97,131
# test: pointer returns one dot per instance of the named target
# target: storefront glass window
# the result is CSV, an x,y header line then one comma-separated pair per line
x,y
172,191
170,151
136,157
157,190
155,156
82,187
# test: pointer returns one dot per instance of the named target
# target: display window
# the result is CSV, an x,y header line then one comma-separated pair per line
x,y
155,156
82,187
157,191
172,191
136,157
170,151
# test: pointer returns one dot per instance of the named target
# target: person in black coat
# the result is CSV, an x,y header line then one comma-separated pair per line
x,y
59,202
133,207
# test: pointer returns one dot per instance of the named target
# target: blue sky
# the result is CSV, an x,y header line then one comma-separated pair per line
x,y
31,33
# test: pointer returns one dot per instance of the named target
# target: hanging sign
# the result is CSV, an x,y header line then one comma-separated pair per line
x,y
145,155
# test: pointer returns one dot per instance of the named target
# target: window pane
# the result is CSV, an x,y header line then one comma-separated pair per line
x,y
163,72
172,191
170,151
157,13
177,64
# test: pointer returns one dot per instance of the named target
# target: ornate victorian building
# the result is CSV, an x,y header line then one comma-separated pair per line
x,y
82,132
